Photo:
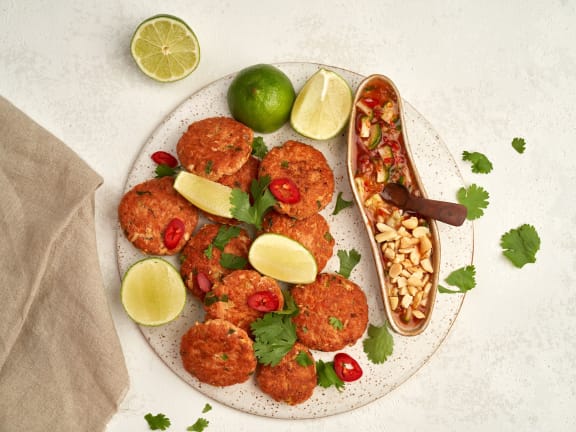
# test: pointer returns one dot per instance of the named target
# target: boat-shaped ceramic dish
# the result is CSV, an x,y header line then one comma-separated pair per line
x,y
405,246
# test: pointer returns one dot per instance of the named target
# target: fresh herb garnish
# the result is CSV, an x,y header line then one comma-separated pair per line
x,y
379,344
225,234
327,376
232,262
341,204
164,170
519,145
475,199
259,148
263,199
210,298
336,323
480,163
520,245
464,279
303,359
274,336
158,421
206,408
199,426
208,167
348,261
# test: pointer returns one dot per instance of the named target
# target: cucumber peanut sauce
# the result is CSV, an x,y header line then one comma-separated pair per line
x,y
404,238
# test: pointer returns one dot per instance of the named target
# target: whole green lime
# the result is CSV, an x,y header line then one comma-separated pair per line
x,y
261,97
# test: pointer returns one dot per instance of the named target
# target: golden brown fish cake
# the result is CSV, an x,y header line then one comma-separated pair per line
x,y
232,296
308,169
201,260
289,381
333,312
215,147
218,353
241,180
312,232
147,209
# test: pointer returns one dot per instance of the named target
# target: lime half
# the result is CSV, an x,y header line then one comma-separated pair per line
x,y
165,48
322,108
282,258
153,292
209,196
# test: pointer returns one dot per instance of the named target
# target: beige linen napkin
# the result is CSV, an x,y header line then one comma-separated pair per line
x,y
61,363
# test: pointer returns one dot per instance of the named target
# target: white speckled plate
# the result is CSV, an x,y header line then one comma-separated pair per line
x,y
441,178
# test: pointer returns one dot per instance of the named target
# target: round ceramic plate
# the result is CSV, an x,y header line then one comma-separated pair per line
x,y
441,179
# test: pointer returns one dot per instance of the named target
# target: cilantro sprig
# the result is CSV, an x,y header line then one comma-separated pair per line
x,y
379,344
326,375
520,245
463,278
519,144
259,148
348,261
243,210
157,422
480,163
199,425
475,199
341,204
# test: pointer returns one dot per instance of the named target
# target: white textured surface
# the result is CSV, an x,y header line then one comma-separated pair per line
x,y
481,73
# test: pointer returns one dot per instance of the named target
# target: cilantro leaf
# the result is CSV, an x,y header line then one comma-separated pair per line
x,y
480,163
232,262
163,170
290,308
327,376
341,204
379,344
475,199
207,408
464,278
263,199
225,234
336,323
158,421
274,336
259,148
348,261
520,245
199,426
303,359
519,145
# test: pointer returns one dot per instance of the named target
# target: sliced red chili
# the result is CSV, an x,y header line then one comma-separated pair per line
x,y
285,190
204,283
263,301
164,158
173,233
346,367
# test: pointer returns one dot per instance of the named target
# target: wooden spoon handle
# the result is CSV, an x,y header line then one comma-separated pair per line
x,y
447,212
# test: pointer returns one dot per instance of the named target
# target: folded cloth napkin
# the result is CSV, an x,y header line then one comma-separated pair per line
x,y
61,363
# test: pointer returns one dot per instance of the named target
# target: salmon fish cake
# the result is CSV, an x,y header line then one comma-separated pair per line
x,y
333,312
237,293
218,353
312,232
309,171
201,261
151,208
291,381
215,147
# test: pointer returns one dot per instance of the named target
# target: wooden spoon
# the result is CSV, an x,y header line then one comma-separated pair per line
x,y
443,211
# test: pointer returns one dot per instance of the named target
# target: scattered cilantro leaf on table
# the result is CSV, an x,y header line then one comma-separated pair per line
x,y
199,426
520,245
348,261
206,408
259,148
464,278
263,199
158,421
519,144
274,336
341,204
327,375
475,199
379,344
480,163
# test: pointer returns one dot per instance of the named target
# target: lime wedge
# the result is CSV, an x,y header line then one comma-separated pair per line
x,y
282,258
153,292
165,48
322,108
207,195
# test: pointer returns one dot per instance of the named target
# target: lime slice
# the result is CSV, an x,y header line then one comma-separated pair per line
x,y
322,108
165,48
282,258
153,292
207,195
